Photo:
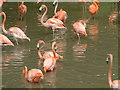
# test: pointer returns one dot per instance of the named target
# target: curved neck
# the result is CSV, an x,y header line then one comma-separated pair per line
x,y
3,23
110,74
39,54
56,8
22,2
39,51
53,51
42,18
26,72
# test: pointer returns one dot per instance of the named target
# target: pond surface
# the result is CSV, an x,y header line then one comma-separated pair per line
x,y
84,63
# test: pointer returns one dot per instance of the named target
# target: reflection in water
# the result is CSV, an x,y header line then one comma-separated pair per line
x,y
93,30
14,56
79,50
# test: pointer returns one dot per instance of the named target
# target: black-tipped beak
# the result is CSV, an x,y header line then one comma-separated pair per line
x,y
53,4
107,62
38,48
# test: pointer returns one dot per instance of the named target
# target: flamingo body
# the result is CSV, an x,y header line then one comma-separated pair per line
x,y
23,9
33,75
4,41
79,27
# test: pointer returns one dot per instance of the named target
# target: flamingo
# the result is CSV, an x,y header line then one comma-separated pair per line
x,y
79,28
2,2
114,83
16,32
47,54
93,8
33,75
23,9
4,41
52,22
49,64
61,15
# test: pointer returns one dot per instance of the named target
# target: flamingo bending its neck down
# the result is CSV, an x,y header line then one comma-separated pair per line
x,y
52,22
79,28
93,8
115,83
16,32
33,75
49,64
61,15
23,9
4,41
47,54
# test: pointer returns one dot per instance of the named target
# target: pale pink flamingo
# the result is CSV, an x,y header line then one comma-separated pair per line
x,y
79,28
22,9
49,64
54,23
16,32
93,8
61,15
33,75
2,2
47,54
4,41
114,83
38,1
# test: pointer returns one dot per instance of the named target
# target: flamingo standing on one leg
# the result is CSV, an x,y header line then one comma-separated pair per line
x,y
22,9
79,28
52,22
33,75
49,64
47,54
115,83
93,8
4,41
16,32
61,15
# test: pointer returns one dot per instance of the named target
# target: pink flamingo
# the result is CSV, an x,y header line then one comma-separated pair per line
x,y
16,32
47,54
93,8
79,28
49,64
38,1
33,75
4,41
52,22
2,2
115,83
61,15
22,9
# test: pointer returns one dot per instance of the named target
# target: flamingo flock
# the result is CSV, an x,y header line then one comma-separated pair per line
x,y
56,22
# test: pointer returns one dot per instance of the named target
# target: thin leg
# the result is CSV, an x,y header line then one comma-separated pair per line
x,y
53,33
78,38
16,41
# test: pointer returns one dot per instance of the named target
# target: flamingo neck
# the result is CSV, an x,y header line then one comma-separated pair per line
x,y
56,6
54,53
42,18
26,73
22,2
39,51
3,23
110,74
39,54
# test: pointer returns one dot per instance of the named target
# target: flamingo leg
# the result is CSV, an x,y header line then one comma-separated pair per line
x,y
53,33
16,41
78,37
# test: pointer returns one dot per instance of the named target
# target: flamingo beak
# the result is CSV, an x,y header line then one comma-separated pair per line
x,y
107,60
40,9
38,46
45,70
55,48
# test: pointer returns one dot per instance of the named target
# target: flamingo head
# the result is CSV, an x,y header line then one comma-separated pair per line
x,y
109,57
42,6
40,42
97,2
55,1
54,45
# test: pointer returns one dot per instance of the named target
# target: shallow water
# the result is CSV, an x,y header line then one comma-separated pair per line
x,y
83,65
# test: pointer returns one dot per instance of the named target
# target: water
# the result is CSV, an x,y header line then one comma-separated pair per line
x,y
83,65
